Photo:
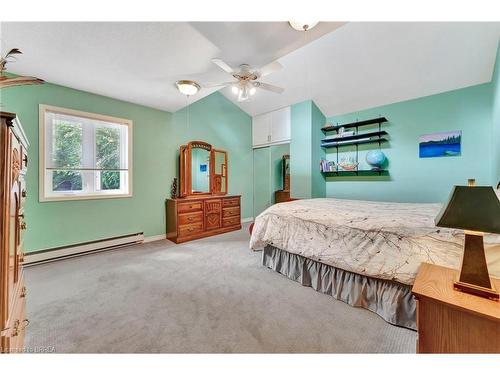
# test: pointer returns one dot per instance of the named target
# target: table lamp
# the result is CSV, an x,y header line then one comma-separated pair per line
x,y
475,209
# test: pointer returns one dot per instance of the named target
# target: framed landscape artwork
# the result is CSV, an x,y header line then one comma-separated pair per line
x,y
440,144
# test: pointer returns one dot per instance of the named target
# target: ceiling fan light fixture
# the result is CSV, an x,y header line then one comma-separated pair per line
x,y
302,26
187,87
252,91
235,90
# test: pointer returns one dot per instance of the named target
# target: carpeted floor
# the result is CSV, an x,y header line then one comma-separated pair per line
x,y
205,296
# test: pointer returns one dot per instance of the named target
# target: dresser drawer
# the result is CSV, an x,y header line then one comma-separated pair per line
x,y
230,211
191,217
190,229
190,206
231,221
230,202
16,326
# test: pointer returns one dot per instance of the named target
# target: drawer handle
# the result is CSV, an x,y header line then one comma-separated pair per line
x,y
17,327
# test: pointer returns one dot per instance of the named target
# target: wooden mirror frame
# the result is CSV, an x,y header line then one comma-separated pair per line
x,y
185,177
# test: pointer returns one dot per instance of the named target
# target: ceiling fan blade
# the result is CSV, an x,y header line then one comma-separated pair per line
x,y
270,68
223,65
268,87
223,84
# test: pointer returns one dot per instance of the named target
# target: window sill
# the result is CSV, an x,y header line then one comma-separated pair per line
x,y
83,197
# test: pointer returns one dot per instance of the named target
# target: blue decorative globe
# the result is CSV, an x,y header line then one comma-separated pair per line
x,y
375,158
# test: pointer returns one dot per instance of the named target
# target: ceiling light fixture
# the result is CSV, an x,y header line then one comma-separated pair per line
x,y
244,90
302,26
187,87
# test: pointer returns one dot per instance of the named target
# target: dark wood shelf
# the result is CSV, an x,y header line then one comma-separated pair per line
x,y
350,125
362,172
354,142
354,137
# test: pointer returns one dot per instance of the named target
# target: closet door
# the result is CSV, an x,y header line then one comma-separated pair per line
x,y
261,127
261,179
280,125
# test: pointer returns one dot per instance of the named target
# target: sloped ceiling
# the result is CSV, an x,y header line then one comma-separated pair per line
x,y
342,67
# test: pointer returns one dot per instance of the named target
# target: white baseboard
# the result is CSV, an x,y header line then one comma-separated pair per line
x,y
159,237
246,220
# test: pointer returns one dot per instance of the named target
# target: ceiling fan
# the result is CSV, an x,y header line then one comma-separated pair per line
x,y
247,79
14,81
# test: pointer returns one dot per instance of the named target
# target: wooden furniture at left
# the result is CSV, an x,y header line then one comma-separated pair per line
x,y
13,164
197,217
450,321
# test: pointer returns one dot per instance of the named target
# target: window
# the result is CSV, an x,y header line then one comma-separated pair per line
x,y
84,155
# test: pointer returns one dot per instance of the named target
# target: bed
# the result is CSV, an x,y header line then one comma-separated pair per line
x,y
364,253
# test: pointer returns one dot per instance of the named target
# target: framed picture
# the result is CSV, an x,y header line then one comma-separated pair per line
x,y
440,144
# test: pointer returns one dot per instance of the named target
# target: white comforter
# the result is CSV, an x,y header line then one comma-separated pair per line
x,y
377,239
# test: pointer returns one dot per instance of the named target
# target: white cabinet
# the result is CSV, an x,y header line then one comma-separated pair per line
x,y
261,126
280,125
271,128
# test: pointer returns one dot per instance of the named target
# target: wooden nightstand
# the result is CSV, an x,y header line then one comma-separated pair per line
x,y
449,321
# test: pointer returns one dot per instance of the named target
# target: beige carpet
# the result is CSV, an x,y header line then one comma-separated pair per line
x,y
205,296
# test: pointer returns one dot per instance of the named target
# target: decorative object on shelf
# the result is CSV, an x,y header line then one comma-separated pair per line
x,y
440,144
173,189
348,164
375,158
475,209
14,81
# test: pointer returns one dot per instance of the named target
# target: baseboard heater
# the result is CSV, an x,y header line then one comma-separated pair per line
x,y
64,252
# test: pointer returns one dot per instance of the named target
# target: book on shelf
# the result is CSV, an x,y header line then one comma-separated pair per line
x,y
327,166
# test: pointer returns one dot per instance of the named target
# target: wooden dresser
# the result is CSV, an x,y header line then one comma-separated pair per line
x,y
450,321
13,163
198,217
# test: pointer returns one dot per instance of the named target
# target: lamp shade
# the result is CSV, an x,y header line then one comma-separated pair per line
x,y
474,208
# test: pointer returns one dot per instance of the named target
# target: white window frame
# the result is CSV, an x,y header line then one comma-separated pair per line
x,y
45,194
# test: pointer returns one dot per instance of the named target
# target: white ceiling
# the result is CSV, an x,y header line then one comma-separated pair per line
x,y
342,67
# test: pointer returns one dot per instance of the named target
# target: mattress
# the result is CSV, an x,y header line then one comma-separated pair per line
x,y
377,239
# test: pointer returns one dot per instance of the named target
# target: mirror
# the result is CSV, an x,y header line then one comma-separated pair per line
x,y
203,170
200,171
286,172
220,172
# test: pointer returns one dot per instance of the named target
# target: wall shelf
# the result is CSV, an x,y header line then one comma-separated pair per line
x,y
373,137
362,172
378,120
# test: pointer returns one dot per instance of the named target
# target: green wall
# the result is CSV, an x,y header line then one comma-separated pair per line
x,y
156,139
52,224
318,188
216,120
300,150
429,179
495,165
305,153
